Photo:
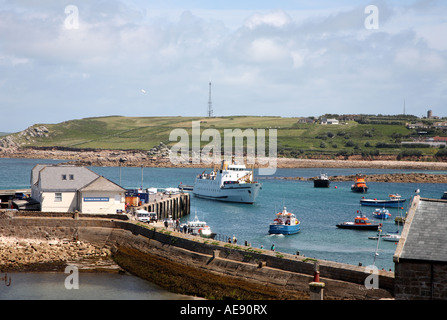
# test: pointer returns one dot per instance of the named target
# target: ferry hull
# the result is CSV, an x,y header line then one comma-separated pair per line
x,y
284,229
241,193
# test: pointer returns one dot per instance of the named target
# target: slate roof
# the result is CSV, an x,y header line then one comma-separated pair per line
x,y
102,184
425,233
35,173
51,178
70,178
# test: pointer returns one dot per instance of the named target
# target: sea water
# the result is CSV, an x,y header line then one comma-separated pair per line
x,y
318,209
91,286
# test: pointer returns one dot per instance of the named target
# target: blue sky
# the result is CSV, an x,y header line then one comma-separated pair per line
x,y
155,58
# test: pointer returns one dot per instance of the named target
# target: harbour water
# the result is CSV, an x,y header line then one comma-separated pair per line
x,y
318,209
91,286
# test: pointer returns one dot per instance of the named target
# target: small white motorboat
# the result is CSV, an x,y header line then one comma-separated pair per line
x,y
393,237
198,228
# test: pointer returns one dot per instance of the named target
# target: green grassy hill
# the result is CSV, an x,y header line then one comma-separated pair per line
x,y
294,139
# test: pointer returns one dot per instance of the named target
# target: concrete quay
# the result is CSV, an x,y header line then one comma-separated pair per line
x,y
196,266
165,205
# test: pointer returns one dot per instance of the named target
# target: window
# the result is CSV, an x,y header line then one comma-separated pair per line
x,y
64,177
58,197
71,177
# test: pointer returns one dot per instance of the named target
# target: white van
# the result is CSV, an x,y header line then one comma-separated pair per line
x,y
143,216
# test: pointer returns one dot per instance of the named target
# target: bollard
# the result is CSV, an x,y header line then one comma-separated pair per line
x,y
316,276
316,287
316,290
316,271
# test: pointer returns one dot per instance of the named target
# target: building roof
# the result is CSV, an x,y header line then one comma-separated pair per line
x,y
65,177
35,173
424,235
68,178
102,184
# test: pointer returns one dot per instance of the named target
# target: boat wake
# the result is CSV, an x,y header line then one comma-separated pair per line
x,y
276,235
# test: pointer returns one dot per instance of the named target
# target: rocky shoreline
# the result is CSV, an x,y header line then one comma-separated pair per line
x,y
18,254
155,159
392,177
138,158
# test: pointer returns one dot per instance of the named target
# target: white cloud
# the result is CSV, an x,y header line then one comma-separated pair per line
x,y
298,59
422,61
278,62
277,19
265,50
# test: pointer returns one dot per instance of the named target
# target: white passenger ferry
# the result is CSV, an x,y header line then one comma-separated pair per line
x,y
232,183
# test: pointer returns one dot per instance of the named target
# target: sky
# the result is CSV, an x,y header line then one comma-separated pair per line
x,y
63,60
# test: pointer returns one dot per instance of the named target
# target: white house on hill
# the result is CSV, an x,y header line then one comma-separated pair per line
x,y
65,188
329,121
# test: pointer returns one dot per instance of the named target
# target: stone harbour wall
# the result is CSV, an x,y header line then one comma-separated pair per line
x,y
184,257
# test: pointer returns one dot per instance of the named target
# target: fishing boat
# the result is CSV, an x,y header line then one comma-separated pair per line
x,y
198,228
394,201
360,223
322,181
382,214
285,223
359,184
232,183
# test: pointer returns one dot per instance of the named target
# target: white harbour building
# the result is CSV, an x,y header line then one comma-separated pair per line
x,y
66,188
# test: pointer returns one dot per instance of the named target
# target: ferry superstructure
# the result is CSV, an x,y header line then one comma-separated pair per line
x,y
232,183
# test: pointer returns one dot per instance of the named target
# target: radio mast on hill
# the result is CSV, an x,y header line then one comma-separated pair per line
x,y
210,105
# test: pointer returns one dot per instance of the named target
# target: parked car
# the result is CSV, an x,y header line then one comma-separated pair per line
x,y
153,217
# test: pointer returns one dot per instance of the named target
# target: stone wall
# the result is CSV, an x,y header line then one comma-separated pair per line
x,y
255,265
421,280
269,269
277,260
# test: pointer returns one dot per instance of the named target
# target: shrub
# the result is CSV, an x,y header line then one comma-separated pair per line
x,y
349,143
409,153
387,145
441,153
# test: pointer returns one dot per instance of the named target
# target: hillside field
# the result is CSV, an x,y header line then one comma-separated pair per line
x,y
294,139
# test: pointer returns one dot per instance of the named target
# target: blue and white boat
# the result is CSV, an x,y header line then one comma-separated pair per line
x,y
285,223
381,214
394,201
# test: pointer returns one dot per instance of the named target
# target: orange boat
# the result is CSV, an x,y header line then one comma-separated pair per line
x,y
359,185
360,223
